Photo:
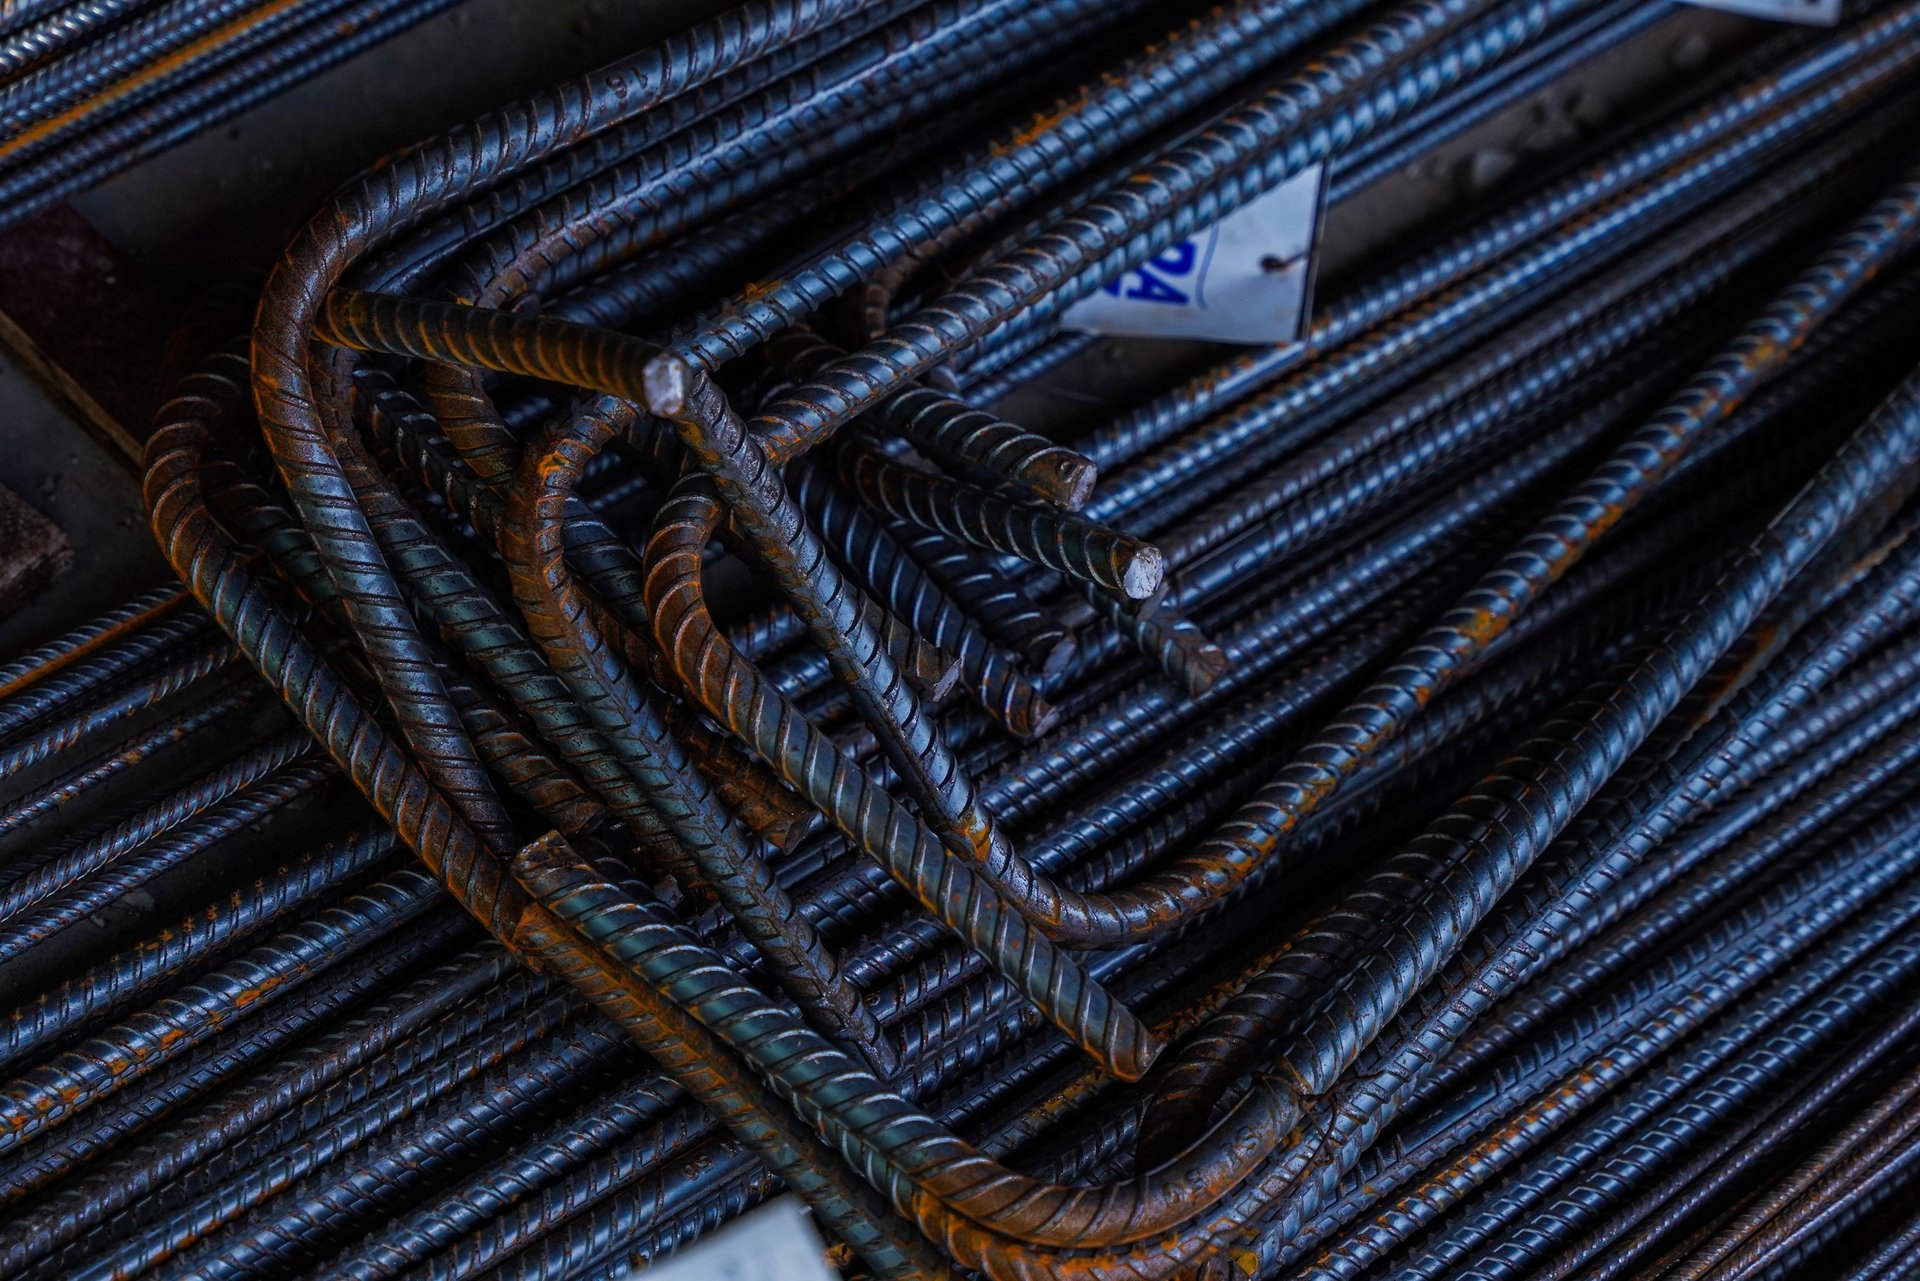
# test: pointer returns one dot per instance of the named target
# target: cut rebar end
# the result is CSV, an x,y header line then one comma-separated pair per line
x,y
1143,574
668,383
1064,478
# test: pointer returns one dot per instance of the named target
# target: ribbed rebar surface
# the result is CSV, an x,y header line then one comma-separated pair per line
x,y
89,88
1437,800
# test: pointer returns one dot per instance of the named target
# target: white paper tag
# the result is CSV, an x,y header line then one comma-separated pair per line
x,y
1817,13
1245,279
775,1242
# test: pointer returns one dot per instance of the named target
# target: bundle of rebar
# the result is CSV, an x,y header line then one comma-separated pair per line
x,y
89,88
1436,799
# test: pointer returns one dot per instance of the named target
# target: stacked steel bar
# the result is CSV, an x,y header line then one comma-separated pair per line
x,y
1440,803
91,87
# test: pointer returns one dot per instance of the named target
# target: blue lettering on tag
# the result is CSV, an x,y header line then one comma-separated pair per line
x,y
1151,281
1243,279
